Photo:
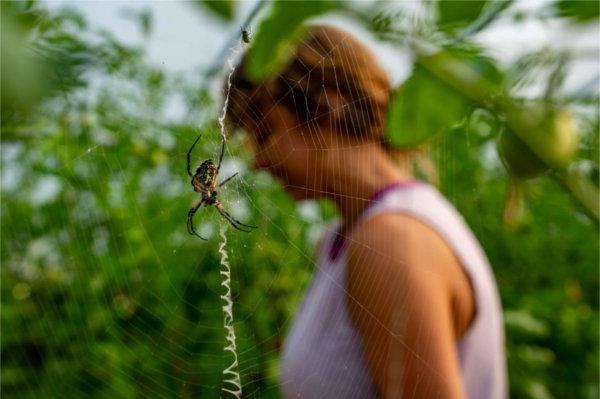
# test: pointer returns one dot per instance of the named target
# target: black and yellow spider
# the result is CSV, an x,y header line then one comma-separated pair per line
x,y
204,182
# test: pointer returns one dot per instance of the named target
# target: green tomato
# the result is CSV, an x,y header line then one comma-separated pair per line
x,y
562,145
549,134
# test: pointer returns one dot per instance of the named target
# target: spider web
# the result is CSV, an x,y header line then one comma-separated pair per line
x,y
115,299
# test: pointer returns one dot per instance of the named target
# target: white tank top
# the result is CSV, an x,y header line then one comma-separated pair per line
x,y
323,354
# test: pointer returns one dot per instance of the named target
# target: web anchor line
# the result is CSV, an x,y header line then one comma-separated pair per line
x,y
231,376
226,102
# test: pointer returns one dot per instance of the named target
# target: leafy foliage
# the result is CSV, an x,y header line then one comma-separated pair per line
x,y
39,59
410,120
104,294
414,115
580,11
223,8
278,32
452,14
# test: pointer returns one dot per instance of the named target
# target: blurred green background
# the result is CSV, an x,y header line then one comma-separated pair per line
x,y
104,293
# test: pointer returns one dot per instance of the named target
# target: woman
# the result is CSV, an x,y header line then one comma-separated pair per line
x,y
403,302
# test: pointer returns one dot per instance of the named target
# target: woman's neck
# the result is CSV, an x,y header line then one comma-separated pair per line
x,y
356,173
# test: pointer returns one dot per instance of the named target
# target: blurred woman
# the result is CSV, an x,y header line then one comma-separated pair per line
x,y
403,302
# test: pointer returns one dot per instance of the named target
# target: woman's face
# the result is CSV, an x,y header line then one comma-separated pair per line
x,y
289,150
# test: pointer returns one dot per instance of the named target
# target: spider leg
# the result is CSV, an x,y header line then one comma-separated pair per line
x,y
235,226
189,153
226,180
190,220
234,222
237,221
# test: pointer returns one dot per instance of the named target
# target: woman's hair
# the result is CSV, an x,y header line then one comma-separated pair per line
x,y
327,60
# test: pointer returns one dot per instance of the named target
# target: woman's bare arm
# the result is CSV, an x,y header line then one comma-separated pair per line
x,y
410,300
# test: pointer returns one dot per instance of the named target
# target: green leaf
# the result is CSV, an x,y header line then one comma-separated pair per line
x,y
580,11
439,93
273,43
471,74
456,13
422,107
222,8
23,83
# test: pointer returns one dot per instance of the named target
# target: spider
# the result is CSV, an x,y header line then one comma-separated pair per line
x,y
204,181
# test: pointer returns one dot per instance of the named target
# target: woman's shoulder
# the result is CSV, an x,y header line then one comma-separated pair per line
x,y
399,238
399,252
419,212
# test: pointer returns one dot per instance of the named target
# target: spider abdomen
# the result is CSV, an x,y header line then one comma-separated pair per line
x,y
205,176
